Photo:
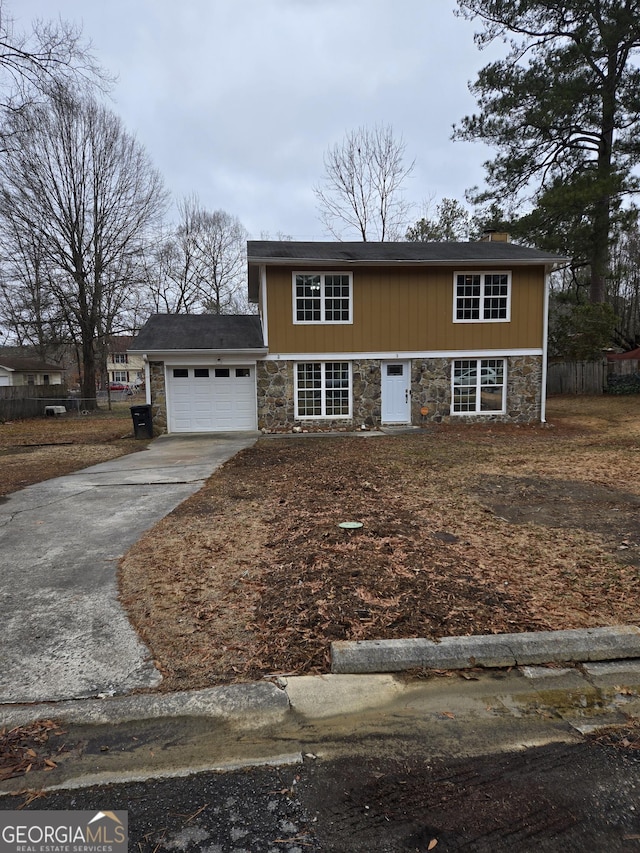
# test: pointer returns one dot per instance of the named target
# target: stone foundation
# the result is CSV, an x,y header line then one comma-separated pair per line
x,y
430,390
367,402
158,397
274,383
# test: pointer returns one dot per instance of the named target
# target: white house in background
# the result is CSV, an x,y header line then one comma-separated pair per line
x,y
28,371
123,366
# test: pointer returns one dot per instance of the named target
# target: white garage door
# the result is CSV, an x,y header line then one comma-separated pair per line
x,y
211,399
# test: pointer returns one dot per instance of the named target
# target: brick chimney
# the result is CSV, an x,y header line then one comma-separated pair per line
x,y
493,236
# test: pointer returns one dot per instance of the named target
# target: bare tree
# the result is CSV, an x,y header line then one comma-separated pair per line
x,y
27,307
86,189
51,55
222,259
362,189
200,266
172,272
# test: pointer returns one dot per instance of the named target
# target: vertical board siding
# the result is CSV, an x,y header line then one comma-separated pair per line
x,y
405,309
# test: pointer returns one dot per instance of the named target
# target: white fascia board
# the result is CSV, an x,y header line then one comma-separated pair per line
x,y
199,355
341,263
387,356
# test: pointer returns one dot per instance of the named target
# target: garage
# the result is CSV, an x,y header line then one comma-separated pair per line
x,y
211,398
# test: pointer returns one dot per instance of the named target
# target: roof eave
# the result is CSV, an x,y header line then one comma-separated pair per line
x,y
554,262
244,352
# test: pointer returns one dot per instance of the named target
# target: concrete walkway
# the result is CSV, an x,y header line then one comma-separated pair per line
x,y
63,634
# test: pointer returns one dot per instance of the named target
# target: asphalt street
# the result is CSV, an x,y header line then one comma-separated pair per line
x,y
404,779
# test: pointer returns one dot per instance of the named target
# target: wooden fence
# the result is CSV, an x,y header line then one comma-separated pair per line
x,y
28,401
577,377
594,377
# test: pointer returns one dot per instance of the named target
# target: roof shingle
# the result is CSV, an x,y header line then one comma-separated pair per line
x,y
272,251
164,332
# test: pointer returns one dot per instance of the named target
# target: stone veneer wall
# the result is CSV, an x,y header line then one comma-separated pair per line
x,y
158,396
367,400
274,382
430,388
276,404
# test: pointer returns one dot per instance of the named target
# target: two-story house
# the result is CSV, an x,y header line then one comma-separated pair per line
x,y
361,333
122,367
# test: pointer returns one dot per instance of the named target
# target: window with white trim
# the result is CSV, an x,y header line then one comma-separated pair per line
x,y
482,297
120,358
323,389
478,386
322,298
120,376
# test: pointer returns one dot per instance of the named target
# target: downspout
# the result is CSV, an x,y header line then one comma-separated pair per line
x,y
263,305
545,347
147,380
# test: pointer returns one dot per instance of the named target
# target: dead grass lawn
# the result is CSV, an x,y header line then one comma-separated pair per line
x,y
37,449
466,530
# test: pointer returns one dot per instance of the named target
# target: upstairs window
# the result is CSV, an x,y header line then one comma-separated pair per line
x,y
120,358
482,297
322,298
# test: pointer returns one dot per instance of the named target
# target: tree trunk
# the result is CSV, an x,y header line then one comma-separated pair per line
x,y
602,207
600,251
88,378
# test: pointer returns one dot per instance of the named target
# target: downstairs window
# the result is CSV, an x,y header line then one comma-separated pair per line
x,y
478,386
323,389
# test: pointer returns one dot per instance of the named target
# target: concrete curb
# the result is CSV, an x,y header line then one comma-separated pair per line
x,y
261,704
246,705
493,650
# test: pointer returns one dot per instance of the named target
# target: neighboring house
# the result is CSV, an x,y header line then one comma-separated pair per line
x,y
353,334
28,371
123,366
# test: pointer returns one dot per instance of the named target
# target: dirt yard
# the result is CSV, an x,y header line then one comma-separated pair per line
x,y
465,530
37,449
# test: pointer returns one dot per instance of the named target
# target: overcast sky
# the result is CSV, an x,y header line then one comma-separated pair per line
x,y
237,100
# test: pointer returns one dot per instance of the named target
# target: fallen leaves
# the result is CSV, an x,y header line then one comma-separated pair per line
x,y
253,576
625,736
26,748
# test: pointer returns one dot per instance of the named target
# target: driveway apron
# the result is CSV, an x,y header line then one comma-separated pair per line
x,y
63,633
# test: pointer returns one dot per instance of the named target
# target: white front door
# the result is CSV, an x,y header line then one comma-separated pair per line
x,y
396,392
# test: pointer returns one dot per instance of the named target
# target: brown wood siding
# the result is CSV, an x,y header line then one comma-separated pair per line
x,y
406,310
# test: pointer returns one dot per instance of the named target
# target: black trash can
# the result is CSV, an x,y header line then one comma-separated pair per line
x,y
142,422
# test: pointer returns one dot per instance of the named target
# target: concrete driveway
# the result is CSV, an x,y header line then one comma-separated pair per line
x,y
63,634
